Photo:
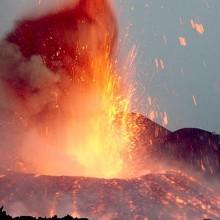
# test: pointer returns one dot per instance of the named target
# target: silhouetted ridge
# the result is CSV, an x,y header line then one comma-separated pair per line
x,y
197,148
186,148
197,133
5,216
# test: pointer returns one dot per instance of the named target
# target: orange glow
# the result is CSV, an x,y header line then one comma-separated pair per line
x,y
93,138
86,131
182,41
52,213
198,27
98,132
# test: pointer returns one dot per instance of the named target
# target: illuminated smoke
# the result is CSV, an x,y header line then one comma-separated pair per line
x,y
59,82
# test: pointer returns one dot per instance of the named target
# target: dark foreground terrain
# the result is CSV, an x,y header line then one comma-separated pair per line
x,y
3,215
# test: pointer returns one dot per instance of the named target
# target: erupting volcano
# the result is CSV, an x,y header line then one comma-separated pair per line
x,y
84,92
66,111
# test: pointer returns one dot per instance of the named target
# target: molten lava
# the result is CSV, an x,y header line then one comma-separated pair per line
x,y
77,44
95,139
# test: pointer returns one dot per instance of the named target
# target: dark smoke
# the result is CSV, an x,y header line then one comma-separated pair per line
x,y
59,37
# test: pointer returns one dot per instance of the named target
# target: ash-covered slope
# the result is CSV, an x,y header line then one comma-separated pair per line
x,y
197,148
167,196
188,148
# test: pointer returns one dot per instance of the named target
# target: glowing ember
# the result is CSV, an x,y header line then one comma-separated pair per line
x,y
93,138
198,27
182,41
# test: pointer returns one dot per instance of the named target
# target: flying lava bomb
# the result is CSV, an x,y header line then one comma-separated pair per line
x,y
70,143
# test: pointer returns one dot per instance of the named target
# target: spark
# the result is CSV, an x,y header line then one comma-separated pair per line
x,y
182,41
194,100
198,27
159,63
165,119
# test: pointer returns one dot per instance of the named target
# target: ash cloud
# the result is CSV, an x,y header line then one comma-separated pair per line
x,y
27,87
40,67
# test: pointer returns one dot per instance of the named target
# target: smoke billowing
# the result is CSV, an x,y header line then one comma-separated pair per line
x,y
45,78
58,98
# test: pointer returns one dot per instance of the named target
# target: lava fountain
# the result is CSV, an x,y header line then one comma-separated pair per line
x,y
76,118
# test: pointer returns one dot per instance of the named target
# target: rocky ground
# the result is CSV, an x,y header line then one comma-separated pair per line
x,y
166,196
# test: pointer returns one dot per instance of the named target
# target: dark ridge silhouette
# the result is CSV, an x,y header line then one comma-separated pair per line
x,y
196,148
189,148
5,216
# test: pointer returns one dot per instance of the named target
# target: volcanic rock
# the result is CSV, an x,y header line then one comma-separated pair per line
x,y
188,148
197,148
166,196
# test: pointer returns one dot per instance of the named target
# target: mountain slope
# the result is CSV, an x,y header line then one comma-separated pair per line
x,y
165,196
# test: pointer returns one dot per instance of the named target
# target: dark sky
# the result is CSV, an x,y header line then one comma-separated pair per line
x,y
186,83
